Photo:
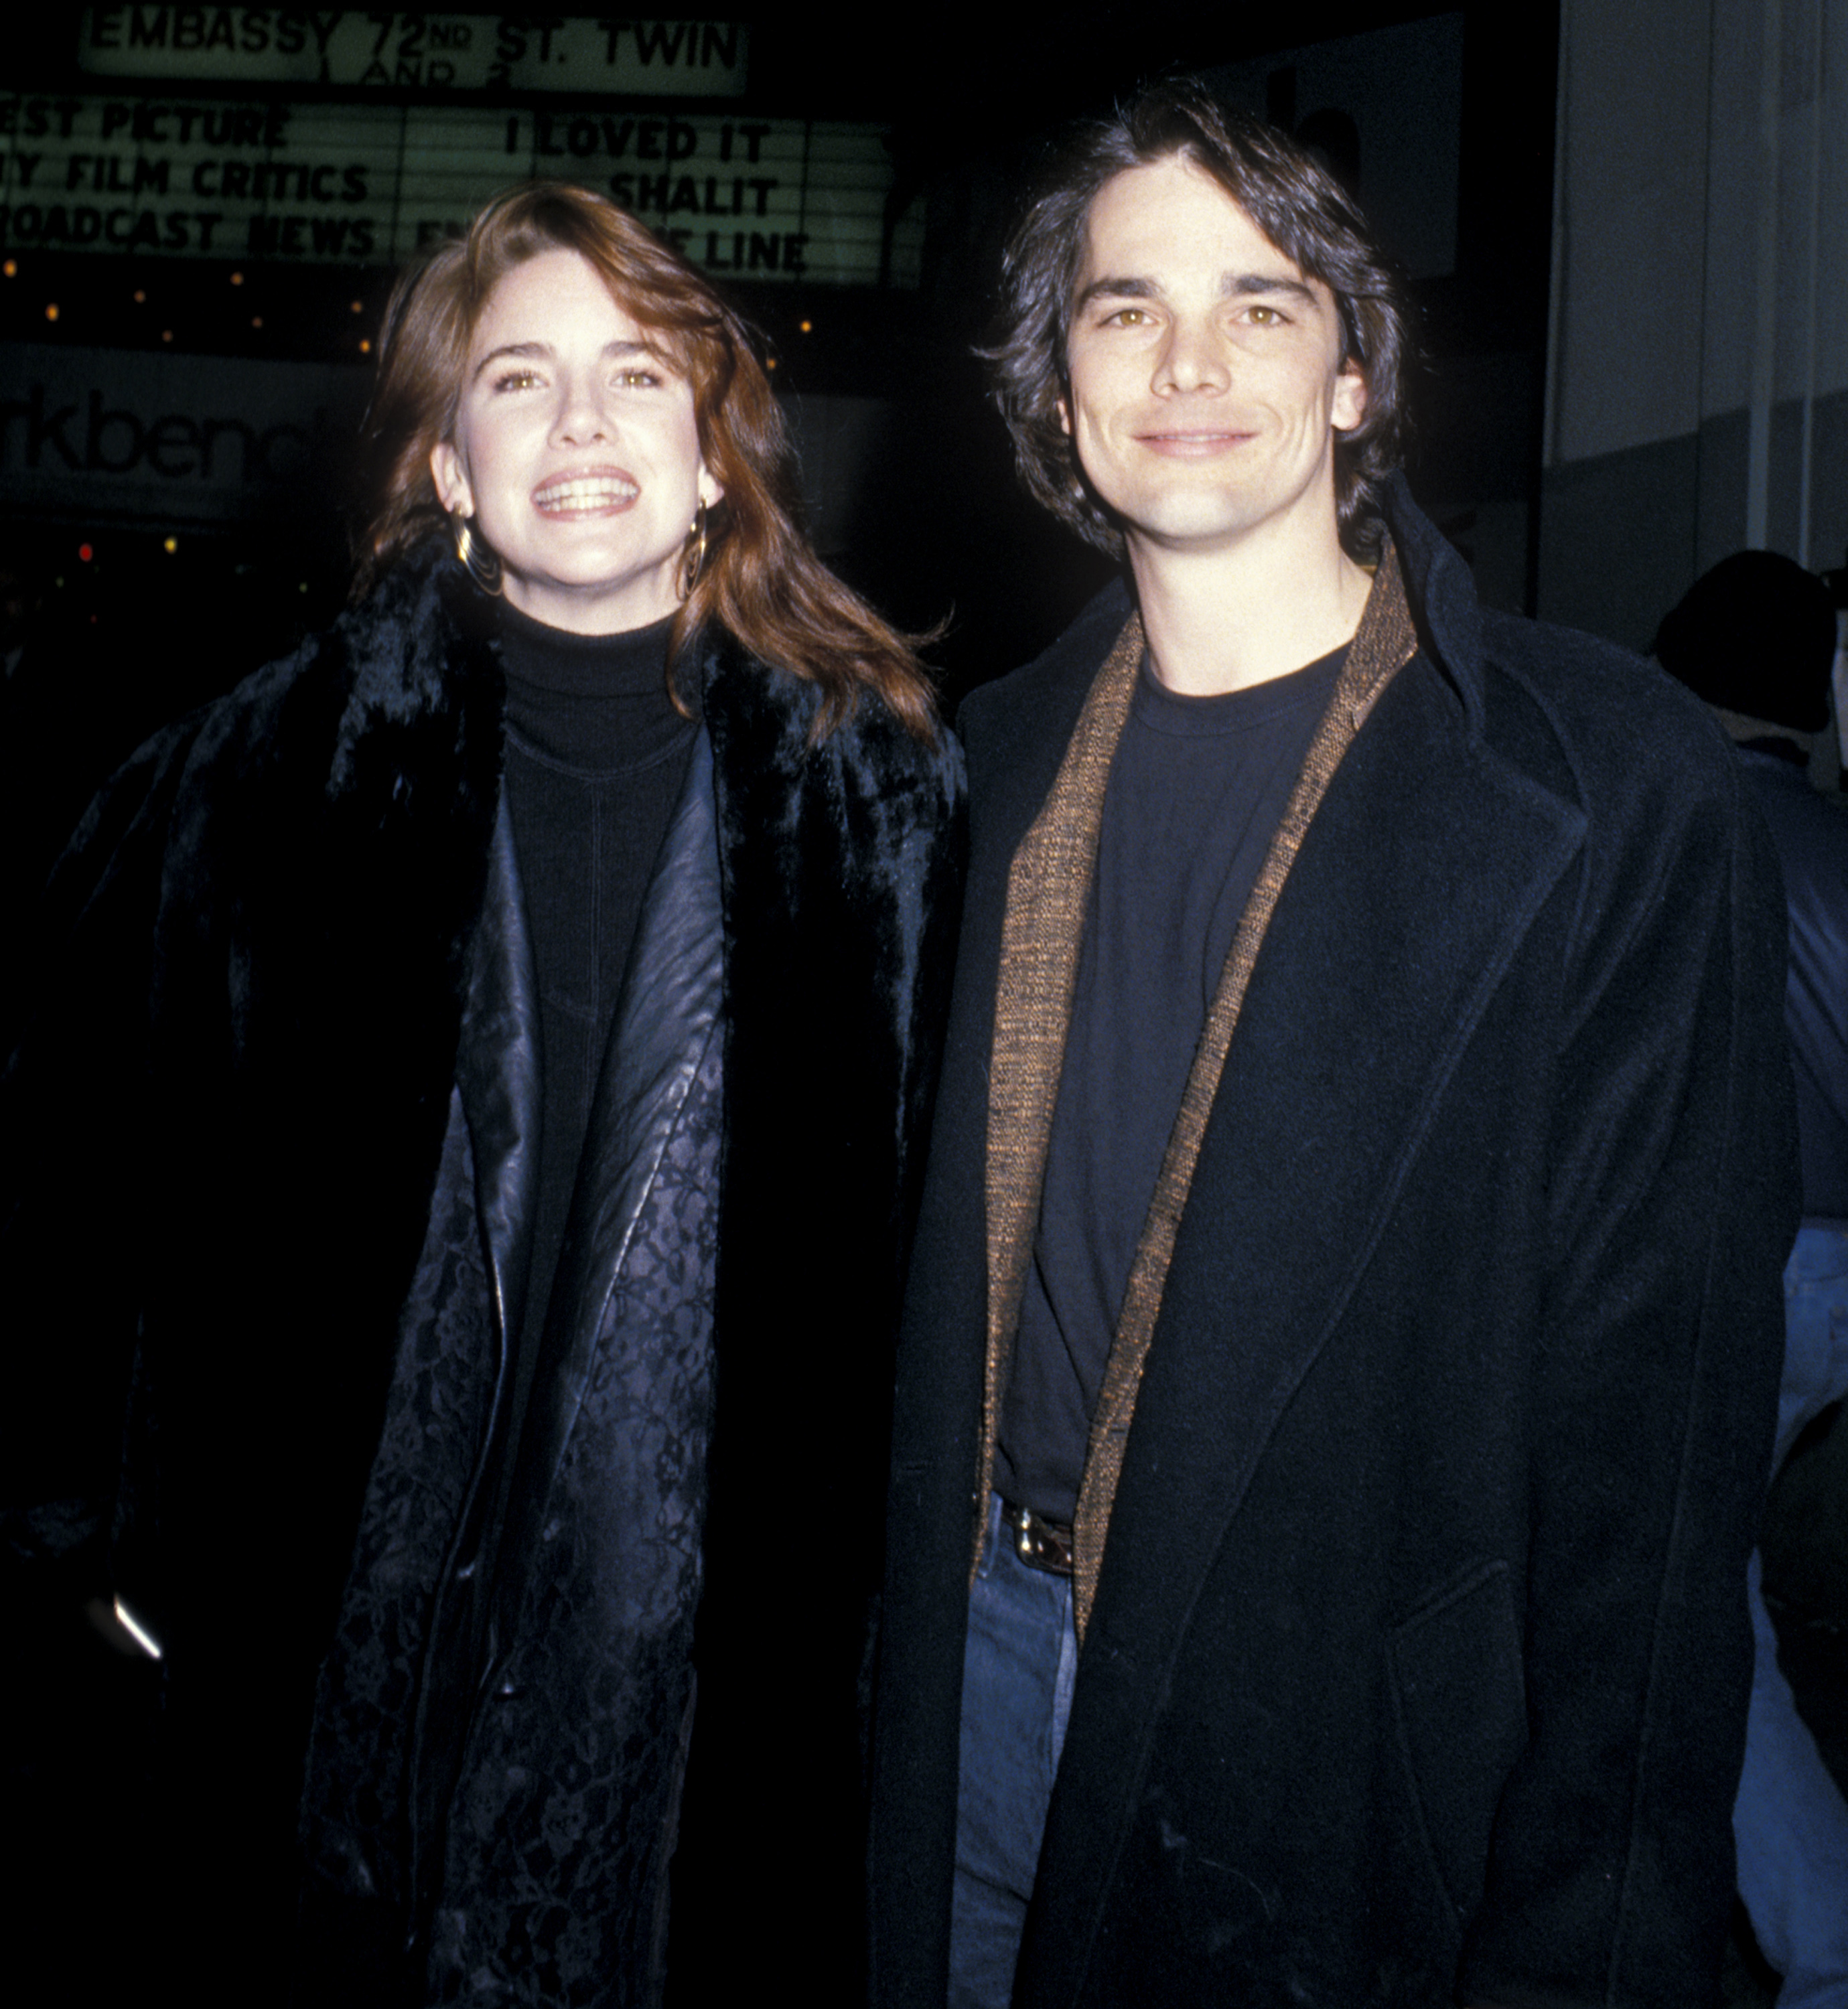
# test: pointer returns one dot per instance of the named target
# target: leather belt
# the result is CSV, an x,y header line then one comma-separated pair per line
x,y
1041,1544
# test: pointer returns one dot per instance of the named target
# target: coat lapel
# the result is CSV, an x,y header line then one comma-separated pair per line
x,y
1049,889
497,1070
668,1016
1350,1031
1382,646
497,1077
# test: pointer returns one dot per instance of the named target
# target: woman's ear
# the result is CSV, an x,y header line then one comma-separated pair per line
x,y
452,491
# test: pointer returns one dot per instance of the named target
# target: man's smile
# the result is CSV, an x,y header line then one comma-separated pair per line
x,y
1194,442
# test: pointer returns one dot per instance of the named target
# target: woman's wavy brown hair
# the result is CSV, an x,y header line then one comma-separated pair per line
x,y
761,581
1297,204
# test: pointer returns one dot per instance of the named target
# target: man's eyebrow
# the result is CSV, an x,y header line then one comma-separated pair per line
x,y
1117,289
1239,284
1234,286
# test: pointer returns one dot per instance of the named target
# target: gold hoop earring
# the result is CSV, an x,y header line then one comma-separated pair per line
x,y
694,562
472,554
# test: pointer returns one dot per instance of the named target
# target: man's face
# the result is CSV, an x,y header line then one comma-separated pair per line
x,y
1205,381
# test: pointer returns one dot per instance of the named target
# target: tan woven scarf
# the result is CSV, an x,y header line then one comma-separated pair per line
x,y
1049,889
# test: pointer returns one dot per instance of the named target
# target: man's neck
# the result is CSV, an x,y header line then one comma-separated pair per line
x,y
1221,619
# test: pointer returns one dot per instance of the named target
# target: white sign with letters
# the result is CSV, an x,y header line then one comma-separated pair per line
x,y
760,199
351,50
175,440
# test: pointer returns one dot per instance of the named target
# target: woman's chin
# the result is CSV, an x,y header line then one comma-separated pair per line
x,y
592,605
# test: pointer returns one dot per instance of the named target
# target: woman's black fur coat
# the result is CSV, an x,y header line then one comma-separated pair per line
x,y
269,1140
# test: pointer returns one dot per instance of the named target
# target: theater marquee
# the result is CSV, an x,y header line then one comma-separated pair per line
x,y
763,199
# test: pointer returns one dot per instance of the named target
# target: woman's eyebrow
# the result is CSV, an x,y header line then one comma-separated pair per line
x,y
526,352
529,351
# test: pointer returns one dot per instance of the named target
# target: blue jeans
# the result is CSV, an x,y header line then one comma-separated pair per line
x,y
1789,1821
1018,1669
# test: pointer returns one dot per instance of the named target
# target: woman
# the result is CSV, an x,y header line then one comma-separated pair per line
x,y
510,1108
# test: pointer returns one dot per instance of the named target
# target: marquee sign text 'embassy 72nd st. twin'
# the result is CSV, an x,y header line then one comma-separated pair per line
x,y
419,51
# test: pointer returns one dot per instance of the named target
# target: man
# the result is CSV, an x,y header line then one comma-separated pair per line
x,y
1342,1341
1756,637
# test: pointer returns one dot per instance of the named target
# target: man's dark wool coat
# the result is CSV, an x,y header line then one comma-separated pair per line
x,y
1418,1666
270,1161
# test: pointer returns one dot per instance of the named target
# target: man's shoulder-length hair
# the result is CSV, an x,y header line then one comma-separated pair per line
x,y
1297,204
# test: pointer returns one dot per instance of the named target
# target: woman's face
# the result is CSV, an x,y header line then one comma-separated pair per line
x,y
576,450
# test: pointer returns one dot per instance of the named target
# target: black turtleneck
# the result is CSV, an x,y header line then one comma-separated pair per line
x,y
596,759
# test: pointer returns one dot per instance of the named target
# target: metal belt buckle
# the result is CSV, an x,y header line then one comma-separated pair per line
x,y
1041,1544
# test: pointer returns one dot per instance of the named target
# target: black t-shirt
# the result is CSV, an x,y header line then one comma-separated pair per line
x,y
1196,792
596,759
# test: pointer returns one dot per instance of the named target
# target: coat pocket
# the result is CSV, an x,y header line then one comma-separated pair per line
x,y
1460,1703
